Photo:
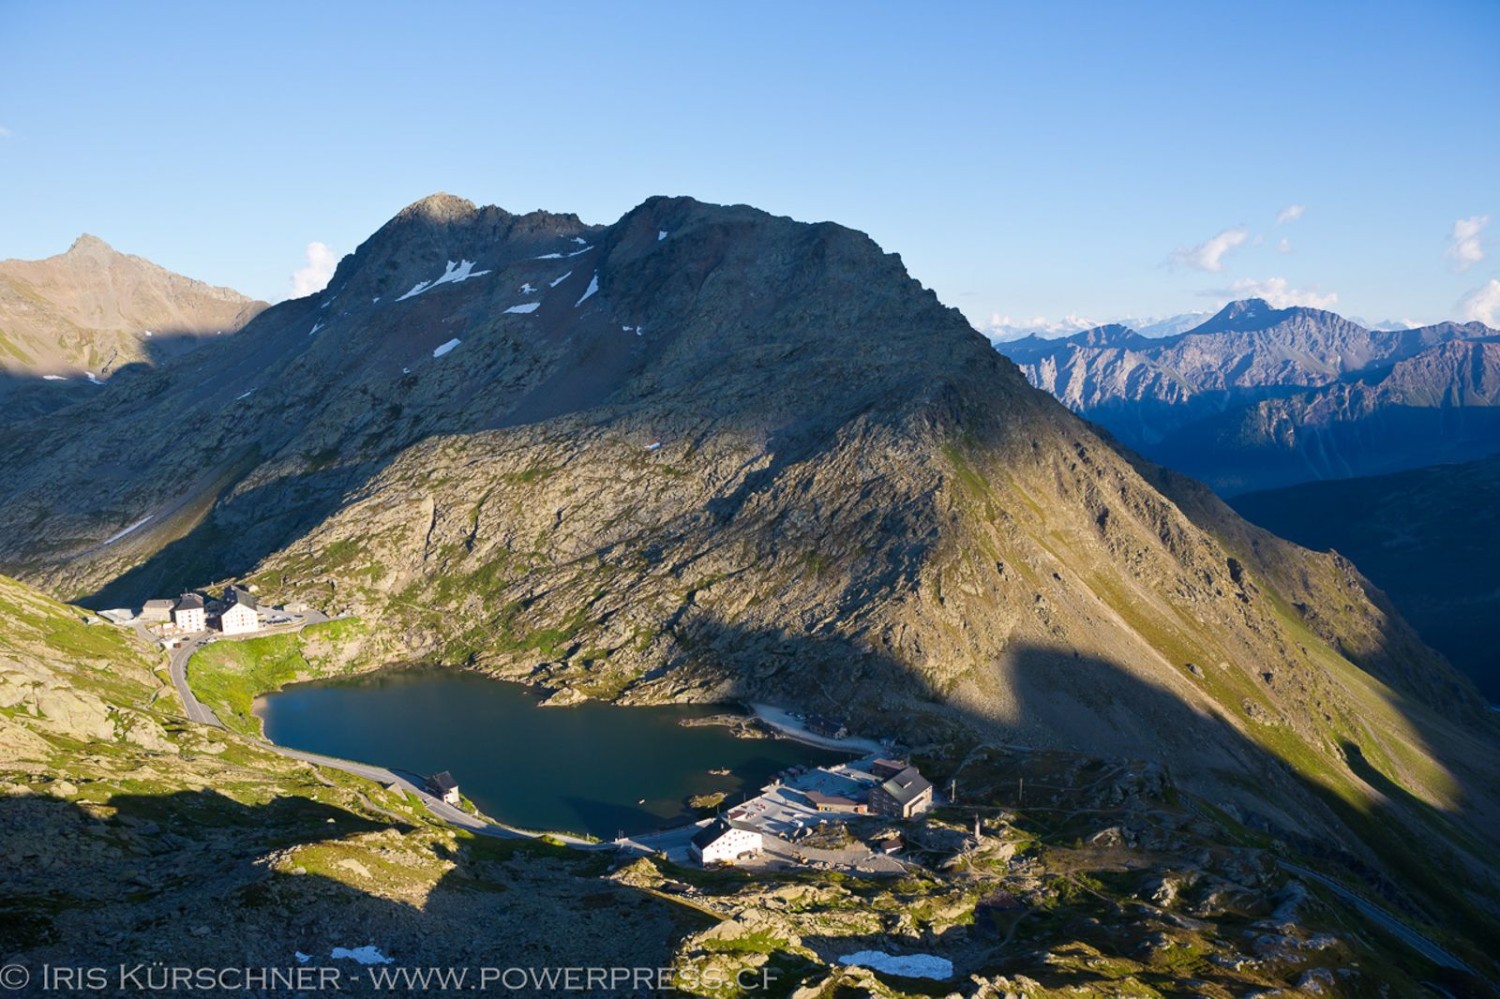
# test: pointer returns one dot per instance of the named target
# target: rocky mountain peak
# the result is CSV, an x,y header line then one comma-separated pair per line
x,y
421,241
439,207
88,244
1251,315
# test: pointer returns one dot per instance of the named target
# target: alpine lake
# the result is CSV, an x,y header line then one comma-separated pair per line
x,y
591,768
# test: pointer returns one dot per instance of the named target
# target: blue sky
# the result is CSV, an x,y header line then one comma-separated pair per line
x,y
1039,160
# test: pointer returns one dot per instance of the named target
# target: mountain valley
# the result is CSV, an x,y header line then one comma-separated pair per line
x,y
1427,537
707,454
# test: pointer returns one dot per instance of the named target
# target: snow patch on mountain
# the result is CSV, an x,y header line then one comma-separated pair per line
x,y
593,287
452,274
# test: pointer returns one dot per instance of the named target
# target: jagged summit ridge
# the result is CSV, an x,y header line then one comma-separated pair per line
x,y
1258,397
420,241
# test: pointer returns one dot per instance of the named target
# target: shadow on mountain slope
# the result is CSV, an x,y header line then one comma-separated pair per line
x,y
26,395
232,533
1429,538
196,879
1353,821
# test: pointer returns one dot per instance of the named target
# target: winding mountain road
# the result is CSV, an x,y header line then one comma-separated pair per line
x,y
1380,917
201,714
177,661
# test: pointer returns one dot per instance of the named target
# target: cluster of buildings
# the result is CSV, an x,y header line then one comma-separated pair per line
x,y
237,612
890,789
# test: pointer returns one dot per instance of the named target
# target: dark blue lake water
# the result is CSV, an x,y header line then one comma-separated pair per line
x,y
593,768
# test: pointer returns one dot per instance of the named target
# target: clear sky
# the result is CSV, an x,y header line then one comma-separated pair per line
x,y
1026,160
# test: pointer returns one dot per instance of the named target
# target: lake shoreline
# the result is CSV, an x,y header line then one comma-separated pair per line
x,y
590,770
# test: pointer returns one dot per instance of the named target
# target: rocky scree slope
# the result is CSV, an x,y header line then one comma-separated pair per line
x,y
706,453
1258,397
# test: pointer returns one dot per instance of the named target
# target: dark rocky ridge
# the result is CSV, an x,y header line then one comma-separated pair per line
x,y
856,505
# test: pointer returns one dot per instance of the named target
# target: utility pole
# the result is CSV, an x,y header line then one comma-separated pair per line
x,y
953,791
1020,790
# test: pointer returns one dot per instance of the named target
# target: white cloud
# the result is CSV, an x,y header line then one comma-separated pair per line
x,y
4,132
315,274
1464,247
1209,254
1277,293
1004,327
1482,304
1290,213
1285,246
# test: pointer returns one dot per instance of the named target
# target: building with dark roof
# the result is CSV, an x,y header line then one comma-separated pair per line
x,y
234,595
189,614
723,841
239,619
443,786
904,795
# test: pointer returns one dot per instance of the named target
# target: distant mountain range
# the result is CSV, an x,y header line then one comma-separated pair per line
x,y
1007,330
84,315
1256,397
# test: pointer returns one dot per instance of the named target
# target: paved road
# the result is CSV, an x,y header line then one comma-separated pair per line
x,y
198,712
177,661
1416,941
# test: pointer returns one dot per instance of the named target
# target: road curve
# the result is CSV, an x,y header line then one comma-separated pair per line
x,y
177,662
200,713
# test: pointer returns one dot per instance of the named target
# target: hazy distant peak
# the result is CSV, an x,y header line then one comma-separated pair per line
x,y
1246,308
1251,315
89,244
